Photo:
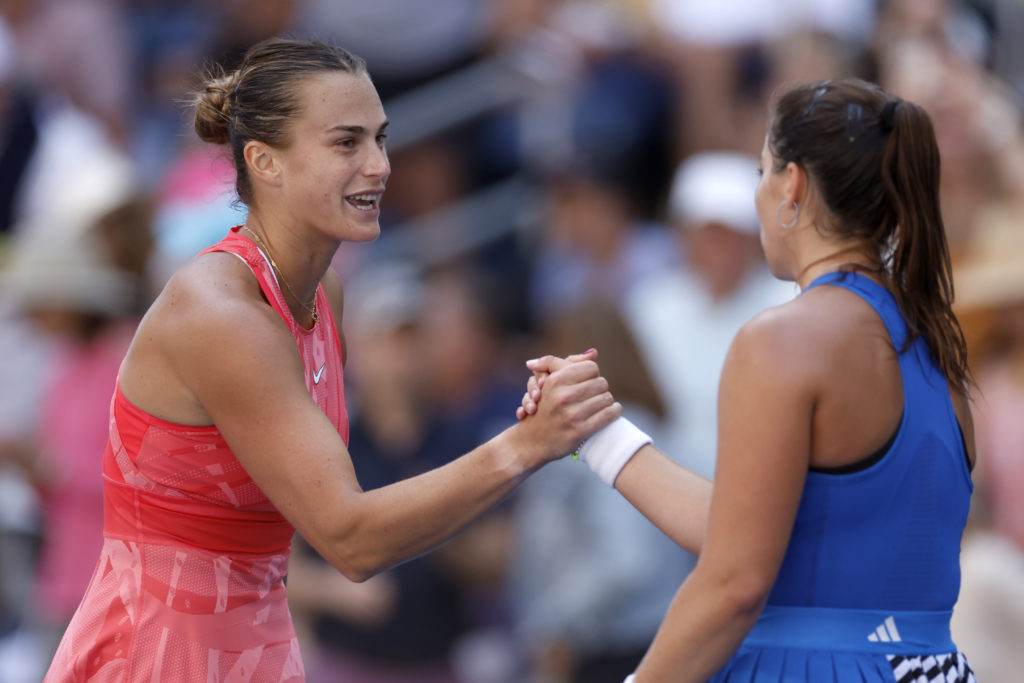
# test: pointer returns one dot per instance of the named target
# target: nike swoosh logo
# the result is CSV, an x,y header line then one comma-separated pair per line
x,y
319,373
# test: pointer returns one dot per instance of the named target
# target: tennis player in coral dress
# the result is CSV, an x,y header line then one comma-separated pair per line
x,y
228,428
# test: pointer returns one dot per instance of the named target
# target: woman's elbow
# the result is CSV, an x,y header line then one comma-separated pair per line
x,y
744,591
356,574
353,563
348,550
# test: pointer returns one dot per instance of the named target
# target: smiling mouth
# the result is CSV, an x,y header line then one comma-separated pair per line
x,y
364,202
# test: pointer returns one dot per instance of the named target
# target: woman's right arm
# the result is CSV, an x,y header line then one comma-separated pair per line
x,y
673,498
239,361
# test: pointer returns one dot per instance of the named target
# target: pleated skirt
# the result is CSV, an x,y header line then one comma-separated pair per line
x,y
823,645
786,665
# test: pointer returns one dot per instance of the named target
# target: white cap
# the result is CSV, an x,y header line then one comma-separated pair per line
x,y
716,187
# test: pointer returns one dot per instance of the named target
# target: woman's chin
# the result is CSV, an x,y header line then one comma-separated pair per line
x,y
361,231
781,271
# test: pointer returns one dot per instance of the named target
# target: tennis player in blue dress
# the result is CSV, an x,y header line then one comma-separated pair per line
x,y
829,544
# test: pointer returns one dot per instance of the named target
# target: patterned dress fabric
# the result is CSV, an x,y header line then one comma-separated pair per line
x,y
189,584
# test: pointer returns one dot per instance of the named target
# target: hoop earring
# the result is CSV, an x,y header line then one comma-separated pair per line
x,y
796,215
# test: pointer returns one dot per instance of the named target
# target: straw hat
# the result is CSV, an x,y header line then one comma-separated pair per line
x,y
992,273
66,271
56,259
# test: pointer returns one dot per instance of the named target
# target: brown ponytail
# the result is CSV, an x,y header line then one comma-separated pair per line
x,y
919,262
875,161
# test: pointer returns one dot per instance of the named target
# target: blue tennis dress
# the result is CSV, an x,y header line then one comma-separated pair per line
x,y
867,586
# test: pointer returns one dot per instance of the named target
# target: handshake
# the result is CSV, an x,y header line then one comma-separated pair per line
x,y
607,450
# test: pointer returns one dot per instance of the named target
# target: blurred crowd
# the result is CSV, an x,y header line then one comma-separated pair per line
x,y
567,174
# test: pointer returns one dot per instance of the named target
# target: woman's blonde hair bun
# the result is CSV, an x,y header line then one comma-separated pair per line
x,y
213,108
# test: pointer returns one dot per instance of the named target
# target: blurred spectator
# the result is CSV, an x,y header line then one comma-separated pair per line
x,y
590,577
80,49
67,135
51,126
685,319
403,624
719,50
171,40
604,108
71,289
471,363
807,56
596,130
471,379
988,622
23,361
126,231
1007,52
961,27
241,23
18,129
404,42
922,56
431,174
68,289
594,245
82,303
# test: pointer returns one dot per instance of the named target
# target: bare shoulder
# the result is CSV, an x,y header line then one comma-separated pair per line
x,y
216,294
780,341
802,339
210,320
218,308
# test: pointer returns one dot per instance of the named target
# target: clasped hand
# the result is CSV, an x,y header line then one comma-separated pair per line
x,y
574,392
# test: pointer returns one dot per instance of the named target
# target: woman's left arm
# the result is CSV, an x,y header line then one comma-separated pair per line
x,y
765,407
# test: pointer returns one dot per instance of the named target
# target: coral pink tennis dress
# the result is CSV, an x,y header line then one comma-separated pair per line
x,y
189,585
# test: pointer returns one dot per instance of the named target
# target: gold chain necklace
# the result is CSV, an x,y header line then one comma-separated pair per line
x,y
311,306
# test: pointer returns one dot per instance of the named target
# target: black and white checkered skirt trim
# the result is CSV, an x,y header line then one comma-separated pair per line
x,y
948,668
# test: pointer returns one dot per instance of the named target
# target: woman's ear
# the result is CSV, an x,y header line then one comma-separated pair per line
x,y
795,187
262,162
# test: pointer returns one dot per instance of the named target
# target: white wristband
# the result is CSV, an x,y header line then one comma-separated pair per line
x,y
630,678
608,451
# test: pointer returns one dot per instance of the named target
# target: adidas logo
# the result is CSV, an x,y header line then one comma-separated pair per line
x,y
886,632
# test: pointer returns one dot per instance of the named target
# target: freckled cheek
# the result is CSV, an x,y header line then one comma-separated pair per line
x,y
326,198
324,186
316,193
